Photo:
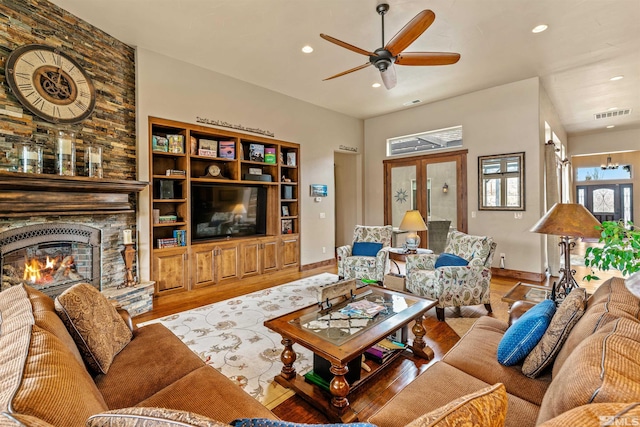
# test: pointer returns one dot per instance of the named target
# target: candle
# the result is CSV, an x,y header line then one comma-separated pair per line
x,y
127,237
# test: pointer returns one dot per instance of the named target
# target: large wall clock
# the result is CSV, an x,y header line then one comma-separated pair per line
x,y
50,84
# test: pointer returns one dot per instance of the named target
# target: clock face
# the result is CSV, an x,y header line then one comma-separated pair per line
x,y
50,84
213,170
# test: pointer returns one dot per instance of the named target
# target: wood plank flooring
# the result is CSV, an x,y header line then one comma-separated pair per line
x,y
372,396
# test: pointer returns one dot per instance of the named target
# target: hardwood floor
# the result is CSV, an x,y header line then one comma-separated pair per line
x,y
367,399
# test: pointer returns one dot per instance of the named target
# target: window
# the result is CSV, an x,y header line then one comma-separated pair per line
x,y
426,141
501,182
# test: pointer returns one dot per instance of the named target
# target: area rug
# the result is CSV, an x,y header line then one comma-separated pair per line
x,y
461,320
230,336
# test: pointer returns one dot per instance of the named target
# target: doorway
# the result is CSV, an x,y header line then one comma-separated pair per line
x,y
435,185
607,202
348,204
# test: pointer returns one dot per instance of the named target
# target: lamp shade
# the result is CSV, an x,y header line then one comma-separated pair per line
x,y
568,219
239,209
412,221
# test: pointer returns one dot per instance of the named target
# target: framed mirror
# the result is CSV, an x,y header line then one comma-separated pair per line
x,y
501,182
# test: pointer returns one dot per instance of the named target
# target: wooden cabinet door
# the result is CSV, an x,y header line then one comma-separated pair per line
x,y
202,266
227,261
250,260
269,255
289,248
170,270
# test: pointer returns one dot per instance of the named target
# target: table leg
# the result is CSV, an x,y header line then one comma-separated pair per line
x,y
339,386
288,357
419,347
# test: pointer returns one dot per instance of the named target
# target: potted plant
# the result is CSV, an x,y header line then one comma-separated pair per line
x,y
621,249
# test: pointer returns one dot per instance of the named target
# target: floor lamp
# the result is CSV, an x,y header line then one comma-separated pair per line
x,y
567,220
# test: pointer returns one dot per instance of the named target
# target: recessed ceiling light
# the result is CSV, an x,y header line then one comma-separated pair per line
x,y
615,78
539,28
612,108
611,126
307,49
376,85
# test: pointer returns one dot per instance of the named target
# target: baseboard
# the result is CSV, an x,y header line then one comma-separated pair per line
x,y
517,274
325,263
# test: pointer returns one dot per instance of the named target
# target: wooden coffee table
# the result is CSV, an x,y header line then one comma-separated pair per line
x,y
339,342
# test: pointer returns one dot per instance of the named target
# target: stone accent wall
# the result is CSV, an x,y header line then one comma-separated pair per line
x,y
111,65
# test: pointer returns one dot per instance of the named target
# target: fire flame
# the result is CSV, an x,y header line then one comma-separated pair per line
x,y
32,271
40,272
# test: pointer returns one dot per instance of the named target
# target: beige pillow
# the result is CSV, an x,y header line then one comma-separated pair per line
x,y
150,417
598,415
486,407
565,318
95,325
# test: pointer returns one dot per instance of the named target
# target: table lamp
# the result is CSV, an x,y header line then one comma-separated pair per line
x,y
412,222
567,220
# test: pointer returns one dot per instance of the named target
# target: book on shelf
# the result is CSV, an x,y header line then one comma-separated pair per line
x,y
227,149
208,148
287,226
256,152
181,237
159,143
270,155
193,144
166,219
176,172
176,143
313,378
169,242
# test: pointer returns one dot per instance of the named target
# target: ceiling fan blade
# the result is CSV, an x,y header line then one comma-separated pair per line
x,y
410,32
389,77
359,67
427,58
347,45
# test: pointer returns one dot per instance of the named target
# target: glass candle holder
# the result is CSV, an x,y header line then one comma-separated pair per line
x,y
93,161
30,157
65,152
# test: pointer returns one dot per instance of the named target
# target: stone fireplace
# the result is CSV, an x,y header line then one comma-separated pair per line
x,y
50,257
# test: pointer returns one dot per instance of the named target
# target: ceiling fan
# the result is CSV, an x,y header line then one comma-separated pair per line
x,y
392,53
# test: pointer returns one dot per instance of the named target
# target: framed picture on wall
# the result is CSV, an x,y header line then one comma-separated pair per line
x,y
318,190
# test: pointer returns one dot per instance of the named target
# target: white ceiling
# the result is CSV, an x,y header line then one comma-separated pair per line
x,y
259,41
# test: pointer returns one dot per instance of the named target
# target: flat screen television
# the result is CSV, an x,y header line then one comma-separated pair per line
x,y
227,210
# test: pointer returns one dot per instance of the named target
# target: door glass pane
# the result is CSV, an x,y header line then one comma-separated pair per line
x,y
402,180
603,200
443,194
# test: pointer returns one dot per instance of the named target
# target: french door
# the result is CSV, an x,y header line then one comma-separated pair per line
x,y
434,184
607,202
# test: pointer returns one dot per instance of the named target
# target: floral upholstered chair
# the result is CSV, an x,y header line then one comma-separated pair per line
x,y
368,256
459,276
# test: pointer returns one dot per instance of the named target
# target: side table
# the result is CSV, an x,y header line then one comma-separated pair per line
x,y
396,280
526,292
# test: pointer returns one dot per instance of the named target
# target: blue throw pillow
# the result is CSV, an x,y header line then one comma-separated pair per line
x,y
522,336
448,260
365,248
264,422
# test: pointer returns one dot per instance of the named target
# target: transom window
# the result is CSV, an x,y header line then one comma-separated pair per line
x,y
425,142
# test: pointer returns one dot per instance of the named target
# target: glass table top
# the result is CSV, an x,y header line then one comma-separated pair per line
x,y
343,321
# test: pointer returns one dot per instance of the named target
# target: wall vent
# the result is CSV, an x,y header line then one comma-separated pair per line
x,y
609,114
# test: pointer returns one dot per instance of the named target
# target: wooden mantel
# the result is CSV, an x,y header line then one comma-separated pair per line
x,y
24,194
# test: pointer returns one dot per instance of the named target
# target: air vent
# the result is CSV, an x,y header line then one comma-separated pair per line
x,y
609,114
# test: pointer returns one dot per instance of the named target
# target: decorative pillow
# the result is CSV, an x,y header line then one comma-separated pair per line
x,y
95,325
567,315
366,248
151,417
265,422
450,260
523,335
486,407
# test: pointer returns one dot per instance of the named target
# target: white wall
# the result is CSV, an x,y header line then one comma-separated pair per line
x,y
499,120
172,89
608,141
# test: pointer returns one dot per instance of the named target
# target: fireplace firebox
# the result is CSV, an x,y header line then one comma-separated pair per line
x,y
50,257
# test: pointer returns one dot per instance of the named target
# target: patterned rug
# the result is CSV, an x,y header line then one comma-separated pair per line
x,y
230,335
462,318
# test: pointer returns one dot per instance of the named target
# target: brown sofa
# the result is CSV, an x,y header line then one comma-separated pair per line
x,y
598,367
44,381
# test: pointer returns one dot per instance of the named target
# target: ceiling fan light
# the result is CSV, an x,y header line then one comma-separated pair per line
x,y
539,28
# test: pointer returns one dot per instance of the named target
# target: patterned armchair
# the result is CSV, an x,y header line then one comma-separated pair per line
x,y
454,286
366,267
